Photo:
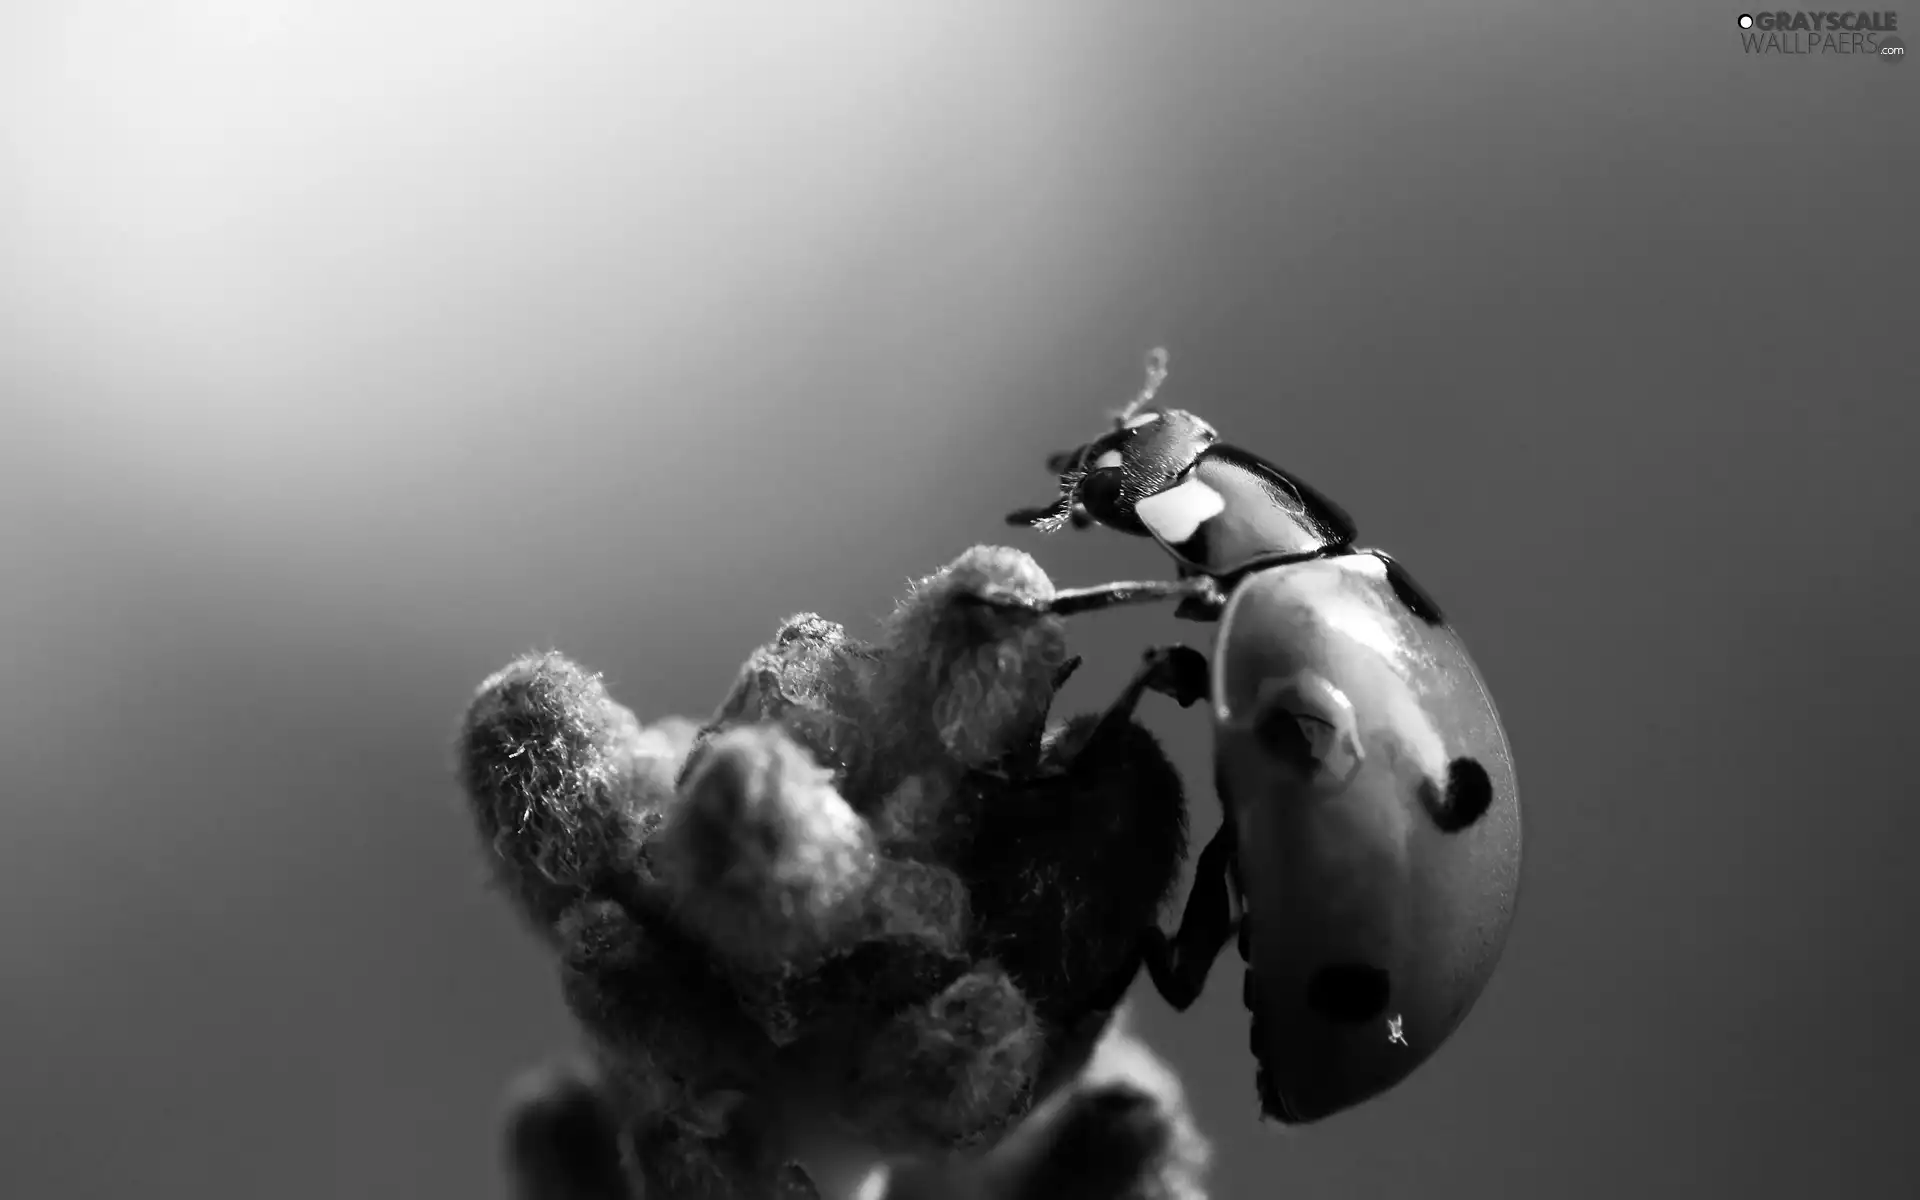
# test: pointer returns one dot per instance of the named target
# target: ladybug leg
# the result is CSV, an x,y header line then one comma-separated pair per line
x,y
1207,601
1178,965
1020,764
1179,672
1200,608
1069,602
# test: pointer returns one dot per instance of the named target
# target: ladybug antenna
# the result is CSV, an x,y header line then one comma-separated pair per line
x,y
1061,514
1066,509
1156,375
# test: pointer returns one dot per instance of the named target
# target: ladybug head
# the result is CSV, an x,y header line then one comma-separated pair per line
x,y
1145,451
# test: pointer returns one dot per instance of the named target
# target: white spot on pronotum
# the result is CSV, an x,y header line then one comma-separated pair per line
x,y
1110,459
1174,514
1145,418
1395,1033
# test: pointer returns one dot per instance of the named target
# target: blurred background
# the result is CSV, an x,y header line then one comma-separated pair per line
x,y
349,349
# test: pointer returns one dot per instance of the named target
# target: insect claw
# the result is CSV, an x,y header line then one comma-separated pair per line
x,y
1178,672
1065,672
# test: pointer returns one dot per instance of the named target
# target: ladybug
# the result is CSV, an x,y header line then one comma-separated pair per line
x,y
1371,839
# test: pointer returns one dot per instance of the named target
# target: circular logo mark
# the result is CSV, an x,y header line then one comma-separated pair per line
x,y
1746,20
1892,49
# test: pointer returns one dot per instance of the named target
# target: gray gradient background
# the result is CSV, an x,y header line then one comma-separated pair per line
x,y
344,356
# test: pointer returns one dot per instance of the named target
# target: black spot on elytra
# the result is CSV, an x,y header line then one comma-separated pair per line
x,y
1349,993
1409,592
1468,796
